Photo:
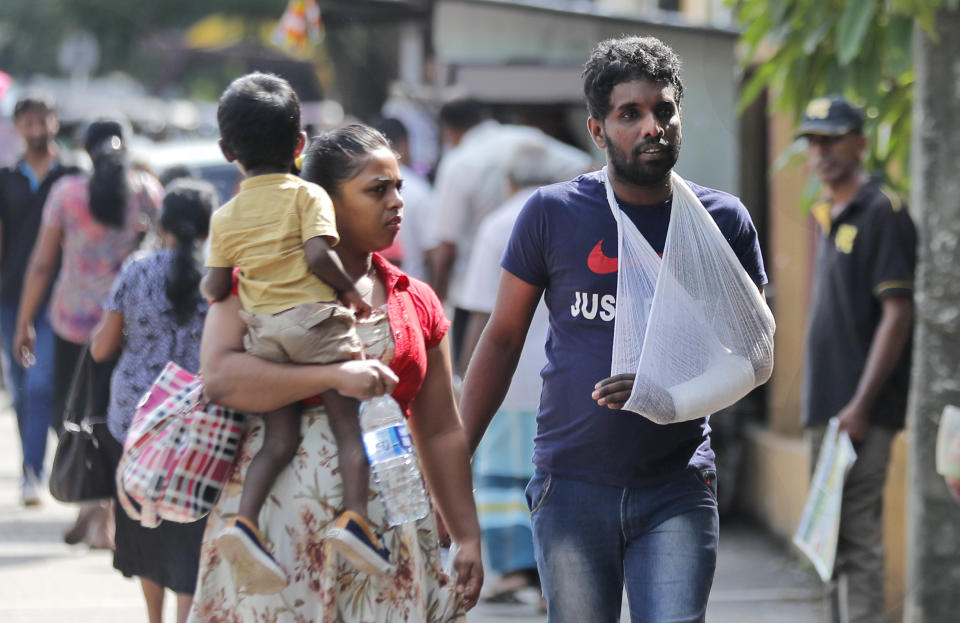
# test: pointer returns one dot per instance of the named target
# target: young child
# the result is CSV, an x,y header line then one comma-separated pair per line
x,y
297,303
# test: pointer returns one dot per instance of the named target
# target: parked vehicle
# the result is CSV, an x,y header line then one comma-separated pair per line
x,y
200,157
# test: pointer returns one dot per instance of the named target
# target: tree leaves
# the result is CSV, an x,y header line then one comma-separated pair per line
x,y
899,44
861,49
852,28
818,33
118,26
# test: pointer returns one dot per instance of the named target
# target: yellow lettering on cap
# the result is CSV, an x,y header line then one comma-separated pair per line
x,y
818,108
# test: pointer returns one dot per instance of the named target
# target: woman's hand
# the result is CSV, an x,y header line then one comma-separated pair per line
x,y
469,572
24,340
613,392
364,379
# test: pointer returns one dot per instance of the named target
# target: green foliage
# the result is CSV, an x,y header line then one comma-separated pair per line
x,y
861,49
853,28
31,30
356,61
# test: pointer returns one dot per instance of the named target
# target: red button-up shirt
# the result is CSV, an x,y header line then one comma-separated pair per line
x,y
418,324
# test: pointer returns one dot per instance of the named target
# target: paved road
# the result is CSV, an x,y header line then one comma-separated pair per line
x,y
42,580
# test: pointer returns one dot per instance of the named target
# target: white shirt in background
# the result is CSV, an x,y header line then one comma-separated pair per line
x,y
416,231
472,182
479,293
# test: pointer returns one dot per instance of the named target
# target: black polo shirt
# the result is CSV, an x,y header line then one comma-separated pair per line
x,y
21,210
867,253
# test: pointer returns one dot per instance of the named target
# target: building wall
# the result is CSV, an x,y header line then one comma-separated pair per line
x,y
789,264
498,34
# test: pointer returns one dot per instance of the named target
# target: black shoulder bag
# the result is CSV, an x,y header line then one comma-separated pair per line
x,y
83,469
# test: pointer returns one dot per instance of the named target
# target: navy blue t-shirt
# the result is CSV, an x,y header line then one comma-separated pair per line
x,y
565,241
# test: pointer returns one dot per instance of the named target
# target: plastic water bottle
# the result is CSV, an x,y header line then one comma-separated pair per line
x,y
392,460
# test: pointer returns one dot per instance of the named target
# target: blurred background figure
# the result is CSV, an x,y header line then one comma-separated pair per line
x,y
503,461
463,121
8,135
857,366
24,187
92,223
416,234
471,183
155,314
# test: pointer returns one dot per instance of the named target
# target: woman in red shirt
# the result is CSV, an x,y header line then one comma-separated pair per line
x,y
356,166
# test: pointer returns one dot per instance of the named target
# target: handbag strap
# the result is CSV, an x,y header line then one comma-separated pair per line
x,y
72,412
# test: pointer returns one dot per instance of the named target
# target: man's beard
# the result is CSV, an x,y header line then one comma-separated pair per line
x,y
641,173
37,145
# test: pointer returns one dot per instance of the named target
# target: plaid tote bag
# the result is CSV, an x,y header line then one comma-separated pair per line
x,y
178,452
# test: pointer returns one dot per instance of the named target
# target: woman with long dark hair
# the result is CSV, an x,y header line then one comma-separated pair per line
x,y
155,314
91,223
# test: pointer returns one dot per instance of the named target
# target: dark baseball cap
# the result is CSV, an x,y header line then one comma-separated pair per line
x,y
830,116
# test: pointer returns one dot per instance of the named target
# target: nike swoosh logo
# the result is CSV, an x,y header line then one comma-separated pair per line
x,y
599,263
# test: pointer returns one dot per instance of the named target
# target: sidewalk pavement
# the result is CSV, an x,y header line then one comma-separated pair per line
x,y
43,580
757,581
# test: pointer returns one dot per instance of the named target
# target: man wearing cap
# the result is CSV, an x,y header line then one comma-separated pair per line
x,y
857,363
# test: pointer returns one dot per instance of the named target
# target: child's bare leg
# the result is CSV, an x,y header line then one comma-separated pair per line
x,y
343,414
281,438
352,535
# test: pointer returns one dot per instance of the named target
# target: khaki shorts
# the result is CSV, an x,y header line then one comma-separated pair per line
x,y
307,333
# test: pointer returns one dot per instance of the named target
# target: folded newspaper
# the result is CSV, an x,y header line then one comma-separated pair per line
x,y
819,526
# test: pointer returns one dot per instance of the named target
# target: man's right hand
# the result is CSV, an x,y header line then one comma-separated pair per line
x,y
854,420
24,340
366,378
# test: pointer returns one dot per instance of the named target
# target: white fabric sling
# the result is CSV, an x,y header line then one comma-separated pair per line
x,y
693,326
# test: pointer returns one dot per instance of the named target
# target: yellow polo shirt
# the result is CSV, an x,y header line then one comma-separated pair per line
x,y
262,230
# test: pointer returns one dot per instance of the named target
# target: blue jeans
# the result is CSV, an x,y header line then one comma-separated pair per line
x,y
660,539
30,388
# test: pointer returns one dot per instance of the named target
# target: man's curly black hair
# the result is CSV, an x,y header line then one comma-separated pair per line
x,y
621,60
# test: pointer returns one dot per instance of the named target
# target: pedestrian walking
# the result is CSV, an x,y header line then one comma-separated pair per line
x,y
299,305
24,187
503,462
358,170
471,183
616,500
90,225
154,314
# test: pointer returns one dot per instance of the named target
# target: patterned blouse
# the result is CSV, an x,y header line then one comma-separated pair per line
x,y
152,335
92,253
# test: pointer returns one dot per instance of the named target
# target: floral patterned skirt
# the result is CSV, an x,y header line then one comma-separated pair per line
x,y
303,504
